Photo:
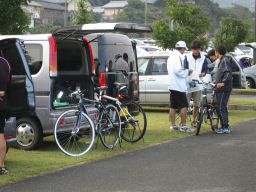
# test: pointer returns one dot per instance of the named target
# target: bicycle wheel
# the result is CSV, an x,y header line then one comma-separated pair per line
x,y
199,120
214,119
133,129
74,133
109,126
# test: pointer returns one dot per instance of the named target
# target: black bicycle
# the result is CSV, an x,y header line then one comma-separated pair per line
x,y
207,110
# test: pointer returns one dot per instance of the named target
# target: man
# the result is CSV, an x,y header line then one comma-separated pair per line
x,y
4,76
198,63
223,88
122,68
177,86
213,63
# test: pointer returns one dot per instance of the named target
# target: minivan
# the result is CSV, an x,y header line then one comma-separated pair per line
x,y
153,79
60,63
20,91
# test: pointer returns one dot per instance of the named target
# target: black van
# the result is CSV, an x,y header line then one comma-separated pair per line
x,y
20,93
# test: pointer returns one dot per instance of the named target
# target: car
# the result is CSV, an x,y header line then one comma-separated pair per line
x,y
153,79
250,73
20,91
58,66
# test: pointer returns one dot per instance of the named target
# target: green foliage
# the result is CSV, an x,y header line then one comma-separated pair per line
x,y
43,28
13,20
189,24
83,15
232,31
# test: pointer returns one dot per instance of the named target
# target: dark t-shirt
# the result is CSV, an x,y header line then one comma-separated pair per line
x,y
4,75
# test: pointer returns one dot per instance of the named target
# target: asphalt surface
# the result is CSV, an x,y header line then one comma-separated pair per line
x,y
245,97
207,163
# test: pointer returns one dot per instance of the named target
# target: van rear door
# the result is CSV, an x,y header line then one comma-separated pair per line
x,y
20,93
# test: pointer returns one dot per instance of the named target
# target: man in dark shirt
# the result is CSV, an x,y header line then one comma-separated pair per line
x,y
223,88
4,77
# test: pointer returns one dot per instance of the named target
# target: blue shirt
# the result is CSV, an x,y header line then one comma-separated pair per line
x,y
205,64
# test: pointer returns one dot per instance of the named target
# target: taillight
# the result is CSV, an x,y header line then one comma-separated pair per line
x,y
53,56
102,79
91,54
8,137
120,96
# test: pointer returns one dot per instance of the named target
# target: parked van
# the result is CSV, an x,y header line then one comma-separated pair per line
x,y
58,66
20,91
60,63
153,80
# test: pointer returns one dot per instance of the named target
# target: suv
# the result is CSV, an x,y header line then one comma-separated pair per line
x,y
153,80
21,99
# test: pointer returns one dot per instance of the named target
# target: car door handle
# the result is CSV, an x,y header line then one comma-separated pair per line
x,y
151,79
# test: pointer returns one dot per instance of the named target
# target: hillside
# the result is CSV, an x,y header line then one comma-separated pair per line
x,y
228,3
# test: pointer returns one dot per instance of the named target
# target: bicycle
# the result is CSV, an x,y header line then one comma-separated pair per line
x,y
133,117
207,109
75,131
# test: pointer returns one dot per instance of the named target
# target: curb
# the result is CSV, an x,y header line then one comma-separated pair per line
x,y
237,92
242,107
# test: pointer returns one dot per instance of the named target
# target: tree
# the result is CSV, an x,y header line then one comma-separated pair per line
x,y
232,31
83,15
189,24
13,20
43,28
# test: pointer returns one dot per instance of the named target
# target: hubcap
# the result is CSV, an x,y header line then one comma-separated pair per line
x,y
25,134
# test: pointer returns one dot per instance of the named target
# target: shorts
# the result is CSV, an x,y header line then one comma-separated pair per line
x,y
178,100
2,123
196,96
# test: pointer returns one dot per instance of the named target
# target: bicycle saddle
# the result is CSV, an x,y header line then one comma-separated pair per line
x,y
103,88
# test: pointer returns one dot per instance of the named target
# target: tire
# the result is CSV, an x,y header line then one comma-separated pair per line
x,y
135,128
199,120
29,133
214,119
250,83
109,127
74,133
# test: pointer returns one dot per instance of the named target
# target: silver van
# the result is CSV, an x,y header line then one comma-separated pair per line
x,y
58,66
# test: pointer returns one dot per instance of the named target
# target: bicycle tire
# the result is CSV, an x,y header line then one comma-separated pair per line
x,y
135,128
74,133
214,119
199,120
109,126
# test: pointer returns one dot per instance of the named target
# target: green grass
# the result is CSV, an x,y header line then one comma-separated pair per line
x,y
23,164
242,102
244,89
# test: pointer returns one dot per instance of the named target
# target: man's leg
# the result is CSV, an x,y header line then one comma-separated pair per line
x,y
183,115
172,116
2,150
224,110
195,113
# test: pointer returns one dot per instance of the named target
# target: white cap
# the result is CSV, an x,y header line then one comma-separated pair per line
x,y
181,44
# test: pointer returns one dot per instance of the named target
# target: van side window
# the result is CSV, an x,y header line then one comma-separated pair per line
x,y
143,65
34,57
159,67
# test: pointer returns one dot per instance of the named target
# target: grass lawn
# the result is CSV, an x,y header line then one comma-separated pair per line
x,y
244,89
242,102
23,164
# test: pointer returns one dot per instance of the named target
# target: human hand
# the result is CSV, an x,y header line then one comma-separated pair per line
x,y
2,93
214,81
202,74
219,85
190,71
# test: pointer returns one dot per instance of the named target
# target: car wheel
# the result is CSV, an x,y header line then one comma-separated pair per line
x,y
249,83
29,134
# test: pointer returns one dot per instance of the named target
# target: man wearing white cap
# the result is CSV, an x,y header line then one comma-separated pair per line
x,y
177,86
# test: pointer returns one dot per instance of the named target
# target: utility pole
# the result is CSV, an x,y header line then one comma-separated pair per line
x,y
146,12
65,14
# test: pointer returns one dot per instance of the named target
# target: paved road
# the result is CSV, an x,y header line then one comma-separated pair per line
x,y
207,163
246,97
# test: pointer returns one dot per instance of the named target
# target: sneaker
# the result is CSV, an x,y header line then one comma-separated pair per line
x,y
174,128
186,129
193,124
3,171
220,131
226,130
